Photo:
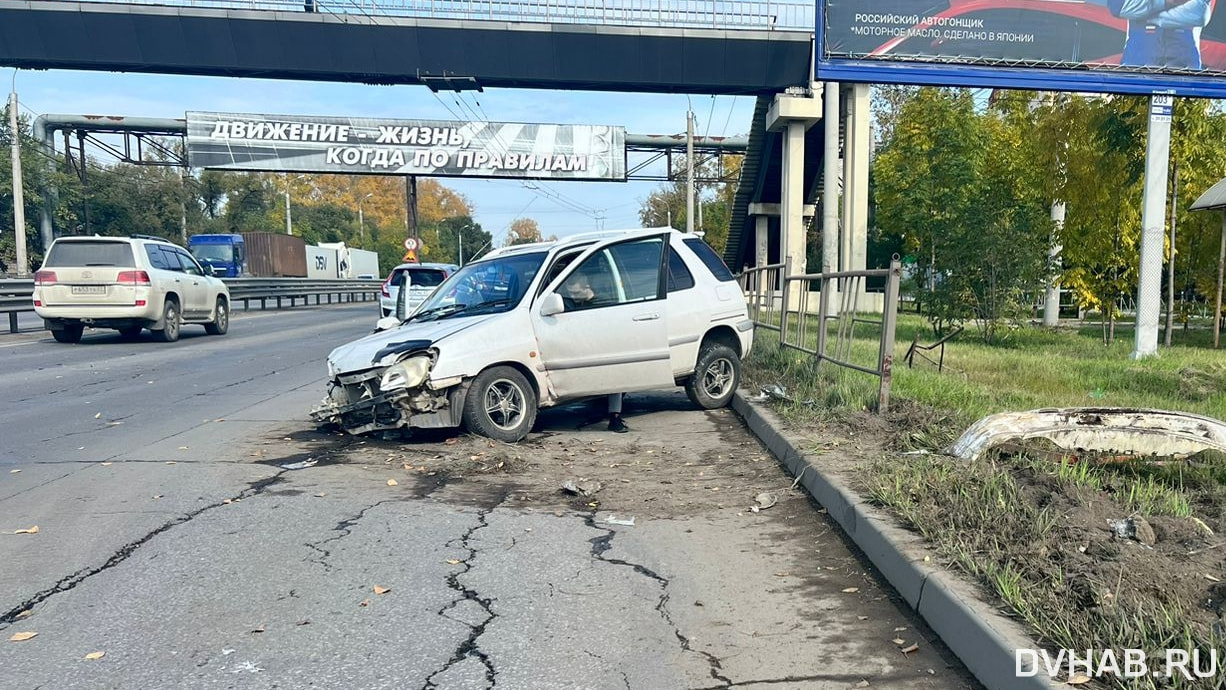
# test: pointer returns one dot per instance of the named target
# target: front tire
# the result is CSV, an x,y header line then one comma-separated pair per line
x,y
172,322
500,405
70,333
221,319
715,378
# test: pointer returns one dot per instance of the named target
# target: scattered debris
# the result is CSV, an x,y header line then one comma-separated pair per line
x,y
227,652
912,648
765,500
392,482
774,390
381,590
22,636
582,487
302,465
28,530
93,656
614,520
851,590
1135,528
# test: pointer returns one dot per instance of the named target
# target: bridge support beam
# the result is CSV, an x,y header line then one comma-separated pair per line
x,y
853,231
792,113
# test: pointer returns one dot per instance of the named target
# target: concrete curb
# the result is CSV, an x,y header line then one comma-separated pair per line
x,y
982,638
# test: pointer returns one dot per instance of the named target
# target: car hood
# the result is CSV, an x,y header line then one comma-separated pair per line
x,y
383,348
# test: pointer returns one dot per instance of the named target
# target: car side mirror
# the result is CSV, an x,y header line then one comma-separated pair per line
x,y
387,323
552,304
208,270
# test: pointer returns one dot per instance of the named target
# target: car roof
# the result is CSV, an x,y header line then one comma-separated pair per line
x,y
424,265
574,240
115,238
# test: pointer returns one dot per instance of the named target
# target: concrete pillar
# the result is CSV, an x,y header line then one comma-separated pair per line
x,y
792,113
761,240
856,156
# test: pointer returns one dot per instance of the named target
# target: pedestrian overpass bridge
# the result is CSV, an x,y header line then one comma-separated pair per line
x,y
710,47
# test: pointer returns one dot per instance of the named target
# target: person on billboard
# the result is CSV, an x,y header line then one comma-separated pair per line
x,y
1163,33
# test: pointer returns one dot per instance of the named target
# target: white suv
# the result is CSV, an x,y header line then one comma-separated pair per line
x,y
127,283
535,325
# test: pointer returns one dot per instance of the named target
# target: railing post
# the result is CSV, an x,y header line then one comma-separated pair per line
x,y
888,319
783,314
822,301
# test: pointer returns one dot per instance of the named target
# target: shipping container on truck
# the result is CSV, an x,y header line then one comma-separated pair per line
x,y
321,262
354,263
273,255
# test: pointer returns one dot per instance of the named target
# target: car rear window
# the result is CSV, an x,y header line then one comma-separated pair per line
x,y
425,277
90,253
709,259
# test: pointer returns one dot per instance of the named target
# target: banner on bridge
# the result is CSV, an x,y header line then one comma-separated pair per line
x,y
1130,46
432,148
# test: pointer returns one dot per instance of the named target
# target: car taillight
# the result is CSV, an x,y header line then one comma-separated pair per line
x,y
383,290
44,278
133,278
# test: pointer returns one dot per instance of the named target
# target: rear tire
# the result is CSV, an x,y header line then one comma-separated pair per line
x,y
70,333
715,378
501,405
221,319
172,322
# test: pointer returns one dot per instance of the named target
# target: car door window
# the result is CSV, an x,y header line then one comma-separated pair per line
x,y
157,259
188,264
619,274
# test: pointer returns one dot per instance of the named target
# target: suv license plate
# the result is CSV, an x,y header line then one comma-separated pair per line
x,y
89,289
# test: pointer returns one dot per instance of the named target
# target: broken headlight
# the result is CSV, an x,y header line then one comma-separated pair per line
x,y
407,374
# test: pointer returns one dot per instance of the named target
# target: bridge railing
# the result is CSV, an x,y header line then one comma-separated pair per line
x,y
17,295
711,14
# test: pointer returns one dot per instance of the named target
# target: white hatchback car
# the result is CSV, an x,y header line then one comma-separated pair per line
x,y
535,325
127,283
421,278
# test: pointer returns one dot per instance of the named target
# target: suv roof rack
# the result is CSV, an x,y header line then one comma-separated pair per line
x,y
149,237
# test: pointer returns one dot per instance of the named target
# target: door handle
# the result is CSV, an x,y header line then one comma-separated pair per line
x,y
646,317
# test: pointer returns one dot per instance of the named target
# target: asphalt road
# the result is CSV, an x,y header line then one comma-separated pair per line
x,y
172,539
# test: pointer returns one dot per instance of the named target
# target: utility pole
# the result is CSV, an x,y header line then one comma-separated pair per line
x,y
410,202
289,224
19,211
1170,262
689,171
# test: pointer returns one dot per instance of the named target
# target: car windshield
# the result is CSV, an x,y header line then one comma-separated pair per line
x,y
485,287
213,252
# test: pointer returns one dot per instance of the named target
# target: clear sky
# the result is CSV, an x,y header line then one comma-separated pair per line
x,y
560,208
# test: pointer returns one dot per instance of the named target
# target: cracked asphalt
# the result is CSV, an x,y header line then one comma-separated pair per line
x,y
177,544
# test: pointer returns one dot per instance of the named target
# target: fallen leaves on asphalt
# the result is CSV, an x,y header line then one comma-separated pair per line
x,y
28,530
381,590
92,656
22,636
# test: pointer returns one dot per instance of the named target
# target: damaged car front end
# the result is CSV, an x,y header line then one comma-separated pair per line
x,y
393,396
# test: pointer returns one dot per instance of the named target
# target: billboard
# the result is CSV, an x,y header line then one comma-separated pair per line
x,y
431,148
1125,46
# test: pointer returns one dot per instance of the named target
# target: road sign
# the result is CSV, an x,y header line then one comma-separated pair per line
x,y
410,243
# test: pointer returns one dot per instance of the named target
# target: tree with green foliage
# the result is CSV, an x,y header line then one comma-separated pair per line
x,y
957,187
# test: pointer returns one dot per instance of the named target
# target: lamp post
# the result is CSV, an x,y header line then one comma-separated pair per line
x,y
289,223
361,219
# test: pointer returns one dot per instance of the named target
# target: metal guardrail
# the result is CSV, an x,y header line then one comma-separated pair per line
x,y
17,295
709,14
770,290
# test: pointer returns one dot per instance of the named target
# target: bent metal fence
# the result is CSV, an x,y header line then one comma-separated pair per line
x,y
17,295
818,314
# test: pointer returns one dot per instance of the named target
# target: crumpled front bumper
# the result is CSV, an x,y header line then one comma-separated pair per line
x,y
356,404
